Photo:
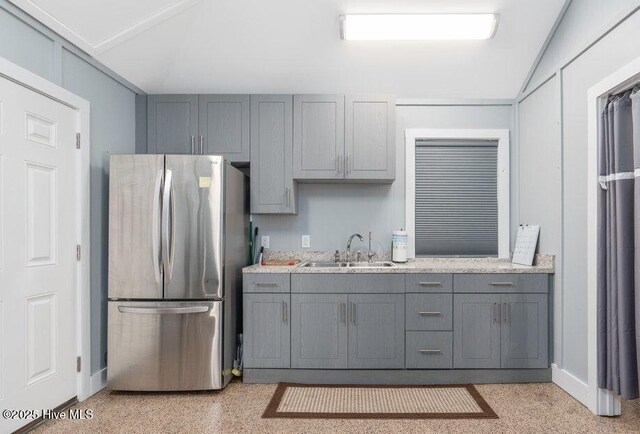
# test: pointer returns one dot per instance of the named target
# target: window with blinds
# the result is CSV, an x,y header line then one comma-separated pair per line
x,y
456,198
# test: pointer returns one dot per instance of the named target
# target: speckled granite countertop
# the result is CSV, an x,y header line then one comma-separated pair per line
x,y
542,264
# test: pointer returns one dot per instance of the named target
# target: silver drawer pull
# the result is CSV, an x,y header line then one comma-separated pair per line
x,y
163,310
266,284
430,283
430,351
502,283
429,313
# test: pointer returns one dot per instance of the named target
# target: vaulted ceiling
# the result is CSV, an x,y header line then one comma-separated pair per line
x,y
293,46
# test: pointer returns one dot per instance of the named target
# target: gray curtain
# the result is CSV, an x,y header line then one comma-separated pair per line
x,y
619,245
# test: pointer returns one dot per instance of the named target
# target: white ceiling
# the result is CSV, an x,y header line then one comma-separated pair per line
x,y
293,46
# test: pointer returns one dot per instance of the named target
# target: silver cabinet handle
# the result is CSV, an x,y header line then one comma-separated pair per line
x,y
266,284
167,227
495,315
155,227
348,168
285,309
430,283
201,145
343,313
338,164
430,351
193,145
507,314
353,317
429,313
501,283
164,310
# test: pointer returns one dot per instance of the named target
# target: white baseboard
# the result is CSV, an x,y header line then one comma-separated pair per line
x,y
572,385
98,381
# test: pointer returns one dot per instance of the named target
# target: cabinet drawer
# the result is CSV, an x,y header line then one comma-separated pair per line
x,y
348,283
429,311
496,283
265,282
429,350
429,282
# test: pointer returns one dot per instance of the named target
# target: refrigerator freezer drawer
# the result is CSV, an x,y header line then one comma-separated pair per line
x,y
163,346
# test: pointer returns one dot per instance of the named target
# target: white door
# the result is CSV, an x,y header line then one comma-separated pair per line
x,y
37,251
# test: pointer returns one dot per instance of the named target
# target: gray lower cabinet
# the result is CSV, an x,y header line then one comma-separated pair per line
x,y
319,331
370,137
524,340
172,124
318,137
267,333
500,331
376,331
476,331
272,187
429,350
224,126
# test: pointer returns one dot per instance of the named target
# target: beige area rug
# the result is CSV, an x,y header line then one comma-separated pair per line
x,y
308,401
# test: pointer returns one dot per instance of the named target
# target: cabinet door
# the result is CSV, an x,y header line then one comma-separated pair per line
x,y
370,137
272,186
476,331
319,325
376,331
524,340
172,124
267,335
224,126
318,137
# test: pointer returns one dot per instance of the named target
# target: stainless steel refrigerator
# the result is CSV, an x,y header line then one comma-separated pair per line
x,y
178,228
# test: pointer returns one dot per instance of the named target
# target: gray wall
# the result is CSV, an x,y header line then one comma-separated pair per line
x,y
332,212
30,45
553,154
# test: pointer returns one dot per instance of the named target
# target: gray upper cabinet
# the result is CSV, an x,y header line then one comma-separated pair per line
x,y
272,187
318,137
376,331
319,331
224,126
524,341
172,124
267,335
370,137
476,331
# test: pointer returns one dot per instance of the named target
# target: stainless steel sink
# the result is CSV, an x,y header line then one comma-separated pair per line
x,y
380,264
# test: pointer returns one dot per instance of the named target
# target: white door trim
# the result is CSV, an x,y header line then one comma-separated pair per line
x,y
501,135
38,84
599,401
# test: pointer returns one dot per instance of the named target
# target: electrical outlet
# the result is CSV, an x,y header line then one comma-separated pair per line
x,y
265,241
306,241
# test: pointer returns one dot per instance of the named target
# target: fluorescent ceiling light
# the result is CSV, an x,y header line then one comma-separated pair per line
x,y
417,27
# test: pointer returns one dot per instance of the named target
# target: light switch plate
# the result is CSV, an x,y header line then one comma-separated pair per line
x,y
264,242
306,241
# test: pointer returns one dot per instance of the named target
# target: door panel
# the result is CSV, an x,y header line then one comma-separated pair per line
x,y
38,268
319,331
267,333
135,183
224,125
158,346
172,124
476,331
370,137
193,243
524,342
376,331
318,137
272,186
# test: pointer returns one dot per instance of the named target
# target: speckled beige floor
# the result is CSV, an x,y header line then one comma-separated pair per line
x,y
522,408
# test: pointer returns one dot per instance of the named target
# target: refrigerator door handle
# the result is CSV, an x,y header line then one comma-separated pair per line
x,y
167,227
155,227
164,310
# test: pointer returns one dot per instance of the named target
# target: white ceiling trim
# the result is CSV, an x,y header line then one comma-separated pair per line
x,y
117,38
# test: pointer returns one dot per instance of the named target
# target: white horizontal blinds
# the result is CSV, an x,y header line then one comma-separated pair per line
x,y
456,198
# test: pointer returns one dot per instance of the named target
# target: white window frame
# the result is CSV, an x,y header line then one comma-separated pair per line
x,y
501,135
